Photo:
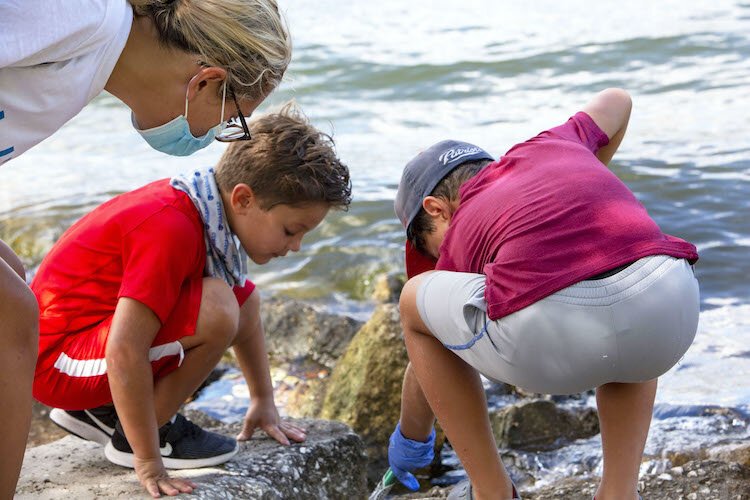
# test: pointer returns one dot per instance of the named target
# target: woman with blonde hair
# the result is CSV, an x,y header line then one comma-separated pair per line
x,y
189,70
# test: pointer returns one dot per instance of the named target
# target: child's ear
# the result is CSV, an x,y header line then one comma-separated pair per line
x,y
436,207
243,198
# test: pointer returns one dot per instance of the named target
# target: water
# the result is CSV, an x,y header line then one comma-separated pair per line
x,y
389,78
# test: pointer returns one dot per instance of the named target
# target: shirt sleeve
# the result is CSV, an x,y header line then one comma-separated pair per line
x,y
45,31
159,256
582,129
243,292
416,261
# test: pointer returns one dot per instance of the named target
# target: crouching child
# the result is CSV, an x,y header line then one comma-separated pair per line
x,y
141,297
551,276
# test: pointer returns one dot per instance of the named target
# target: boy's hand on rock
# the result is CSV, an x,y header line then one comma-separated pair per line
x,y
264,415
153,476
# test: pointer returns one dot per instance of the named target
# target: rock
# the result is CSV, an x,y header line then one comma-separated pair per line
x,y
330,464
711,480
365,387
681,457
301,395
735,452
388,287
295,331
541,424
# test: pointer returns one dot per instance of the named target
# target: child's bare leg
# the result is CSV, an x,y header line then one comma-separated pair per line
x,y
624,417
216,328
455,393
19,337
417,419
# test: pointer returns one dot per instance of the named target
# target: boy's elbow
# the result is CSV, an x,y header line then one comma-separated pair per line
x,y
618,99
610,109
122,357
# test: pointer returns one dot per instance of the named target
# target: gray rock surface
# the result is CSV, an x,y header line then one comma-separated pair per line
x,y
296,332
696,480
330,464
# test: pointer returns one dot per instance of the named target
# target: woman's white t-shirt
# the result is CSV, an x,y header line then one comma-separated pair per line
x,y
55,57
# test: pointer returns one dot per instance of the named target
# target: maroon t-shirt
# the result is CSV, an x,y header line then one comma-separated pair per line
x,y
549,214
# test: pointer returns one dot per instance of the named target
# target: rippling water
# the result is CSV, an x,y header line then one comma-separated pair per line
x,y
390,77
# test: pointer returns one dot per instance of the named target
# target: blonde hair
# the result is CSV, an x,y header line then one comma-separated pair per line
x,y
286,162
248,38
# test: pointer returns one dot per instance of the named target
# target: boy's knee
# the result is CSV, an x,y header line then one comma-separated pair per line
x,y
219,309
408,303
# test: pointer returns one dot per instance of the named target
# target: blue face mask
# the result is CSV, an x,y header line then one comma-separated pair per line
x,y
175,138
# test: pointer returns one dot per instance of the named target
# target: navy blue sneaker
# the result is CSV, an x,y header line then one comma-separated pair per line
x,y
183,445
96,424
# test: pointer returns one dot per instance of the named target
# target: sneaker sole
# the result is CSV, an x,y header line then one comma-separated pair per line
x,y
126,459
78,428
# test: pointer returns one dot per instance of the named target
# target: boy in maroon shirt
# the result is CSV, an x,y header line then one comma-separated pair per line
x,y
550,276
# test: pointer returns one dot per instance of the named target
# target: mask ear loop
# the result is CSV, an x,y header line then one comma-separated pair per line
x,y
223,101
186,97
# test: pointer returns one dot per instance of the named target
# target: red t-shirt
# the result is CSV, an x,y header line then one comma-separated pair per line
x,y
547,215
146,244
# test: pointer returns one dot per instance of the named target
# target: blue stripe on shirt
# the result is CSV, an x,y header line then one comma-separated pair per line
x,y
10,149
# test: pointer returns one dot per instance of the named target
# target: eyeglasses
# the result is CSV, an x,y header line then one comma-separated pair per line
x,y
236,129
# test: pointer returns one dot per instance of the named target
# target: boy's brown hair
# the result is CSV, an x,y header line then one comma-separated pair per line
x,y
447,189
288,161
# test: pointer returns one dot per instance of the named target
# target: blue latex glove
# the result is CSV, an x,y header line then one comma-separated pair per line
x,y
406,455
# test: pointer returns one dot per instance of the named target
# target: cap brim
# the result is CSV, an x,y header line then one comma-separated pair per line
x,y
417,262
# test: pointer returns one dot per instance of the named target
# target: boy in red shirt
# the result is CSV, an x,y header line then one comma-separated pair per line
x,y
550,276
141,297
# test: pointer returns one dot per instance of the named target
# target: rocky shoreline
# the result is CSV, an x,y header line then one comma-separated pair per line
x,y
332,368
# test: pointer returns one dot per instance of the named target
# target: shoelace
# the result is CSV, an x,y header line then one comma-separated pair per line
x,y
181,427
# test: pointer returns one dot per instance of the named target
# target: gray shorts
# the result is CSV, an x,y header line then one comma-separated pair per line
x,y
630,327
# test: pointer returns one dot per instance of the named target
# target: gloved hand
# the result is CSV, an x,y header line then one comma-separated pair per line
x,y
406,455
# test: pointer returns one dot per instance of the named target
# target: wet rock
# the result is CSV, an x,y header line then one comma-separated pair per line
x,y
704,480
735,452
431,493
707,480
301,394
541,424
331,464
295,331
388,287
365,387
681,457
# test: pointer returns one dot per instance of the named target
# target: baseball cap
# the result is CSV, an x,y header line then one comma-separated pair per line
x,y
427,169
